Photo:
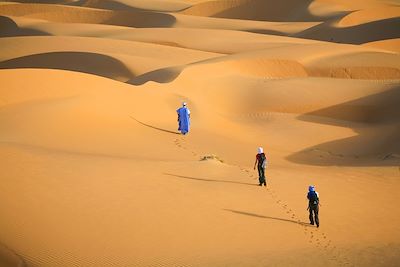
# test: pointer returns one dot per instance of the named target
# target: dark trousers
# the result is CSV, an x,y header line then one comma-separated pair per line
x,y
261,175
314,209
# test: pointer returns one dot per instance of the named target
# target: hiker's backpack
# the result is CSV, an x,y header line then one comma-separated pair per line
x,y
263,160
313,198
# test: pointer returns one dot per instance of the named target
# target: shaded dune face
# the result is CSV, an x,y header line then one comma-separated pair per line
x,y
377,127
155,5
71,14
268,69
376,108
369,15
92,63
165,75
357,34
257,10
9,28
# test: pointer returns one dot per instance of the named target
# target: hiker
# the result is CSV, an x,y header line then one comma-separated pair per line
x,y
183,119
261,162
313,205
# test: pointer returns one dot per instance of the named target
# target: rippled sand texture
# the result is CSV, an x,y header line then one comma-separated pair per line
x,y
93,172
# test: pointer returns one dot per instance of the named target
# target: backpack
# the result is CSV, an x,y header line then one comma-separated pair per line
x,y
313,198
262,158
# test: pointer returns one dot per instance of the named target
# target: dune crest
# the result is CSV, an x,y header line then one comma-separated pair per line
x,y
369,15
390,45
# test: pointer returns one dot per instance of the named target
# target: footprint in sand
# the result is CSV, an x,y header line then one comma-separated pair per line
x,y
320,242
177,143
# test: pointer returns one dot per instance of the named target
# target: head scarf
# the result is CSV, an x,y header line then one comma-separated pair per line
x,y
260,150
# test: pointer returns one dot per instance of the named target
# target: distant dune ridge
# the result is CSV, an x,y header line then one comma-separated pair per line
x,y
95,173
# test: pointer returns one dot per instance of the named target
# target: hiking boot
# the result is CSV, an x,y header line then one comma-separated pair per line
x,y
312,223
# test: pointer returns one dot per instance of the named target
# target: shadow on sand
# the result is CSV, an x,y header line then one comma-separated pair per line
x,y
164,75
208,180
268,217
8,28
358,34
86,62
375,119
111,5
153,127
267,10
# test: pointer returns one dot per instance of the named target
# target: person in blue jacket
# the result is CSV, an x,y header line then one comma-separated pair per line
x,y
313,205
183,119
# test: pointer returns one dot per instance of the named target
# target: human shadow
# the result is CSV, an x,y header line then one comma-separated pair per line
x,y
208,180
375,119
268,217
8,28
358,34
92,63
154,127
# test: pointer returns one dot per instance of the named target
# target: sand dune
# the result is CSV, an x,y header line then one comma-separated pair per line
x,y
94,172
73,14
155,5
369,15
256,10
100,57
92,63
8,27
185,35
367,32
344,63
390,45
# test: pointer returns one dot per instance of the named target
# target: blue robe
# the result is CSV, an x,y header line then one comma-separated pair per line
x,y
183,120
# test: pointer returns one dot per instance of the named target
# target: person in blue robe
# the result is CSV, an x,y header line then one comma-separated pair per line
x,y
183,119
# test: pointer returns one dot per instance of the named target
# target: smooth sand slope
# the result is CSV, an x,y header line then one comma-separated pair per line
x,y
94,173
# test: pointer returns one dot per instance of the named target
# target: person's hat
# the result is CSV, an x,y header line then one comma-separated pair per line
x,y
184,104
260,150
311,188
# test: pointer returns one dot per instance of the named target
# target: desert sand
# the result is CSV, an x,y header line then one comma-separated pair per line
x,y
94,173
